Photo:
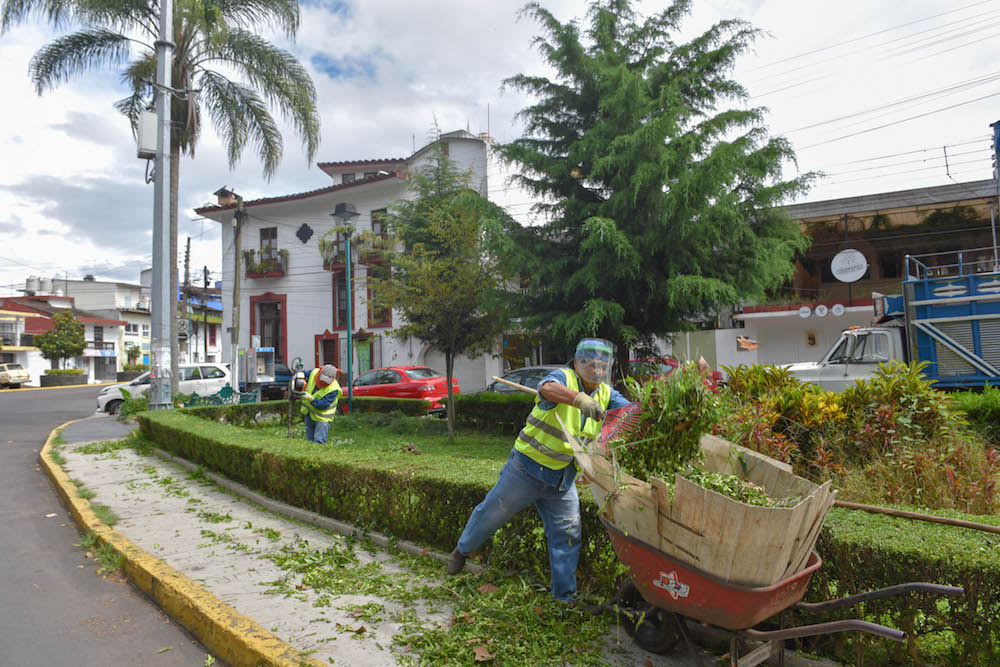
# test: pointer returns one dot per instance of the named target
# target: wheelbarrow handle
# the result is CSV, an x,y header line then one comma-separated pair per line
x,y
880,594
827,629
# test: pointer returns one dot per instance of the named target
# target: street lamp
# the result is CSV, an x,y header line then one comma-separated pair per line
x,y
345,213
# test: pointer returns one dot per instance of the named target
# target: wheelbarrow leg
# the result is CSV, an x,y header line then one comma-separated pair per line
x,y
692,649
772,649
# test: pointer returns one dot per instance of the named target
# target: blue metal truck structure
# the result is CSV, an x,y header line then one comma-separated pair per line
x,y
947,315
950,311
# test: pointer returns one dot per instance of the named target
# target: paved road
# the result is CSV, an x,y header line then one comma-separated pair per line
x,y
56,610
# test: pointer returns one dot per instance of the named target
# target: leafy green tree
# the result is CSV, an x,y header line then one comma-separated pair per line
x,y
219,51
662,193
443,272
63,341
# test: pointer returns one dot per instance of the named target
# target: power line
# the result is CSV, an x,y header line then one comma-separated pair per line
x,y
919,45
904,120
962,85
863,37
918,150
904,163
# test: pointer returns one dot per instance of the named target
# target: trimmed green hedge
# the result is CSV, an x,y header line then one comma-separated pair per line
x,y
490,411
414,407
863,551
428,498
983,412
65,371
244,413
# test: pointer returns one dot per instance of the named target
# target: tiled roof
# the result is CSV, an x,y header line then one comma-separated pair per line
x,y
212,208
935,195
360,163
82,315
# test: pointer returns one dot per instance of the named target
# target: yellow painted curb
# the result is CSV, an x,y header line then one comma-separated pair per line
x,y
231,636
66,386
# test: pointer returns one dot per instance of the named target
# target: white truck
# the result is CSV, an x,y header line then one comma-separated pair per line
x,y
947,315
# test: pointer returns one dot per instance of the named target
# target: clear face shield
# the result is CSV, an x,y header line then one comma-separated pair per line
x,y
593,360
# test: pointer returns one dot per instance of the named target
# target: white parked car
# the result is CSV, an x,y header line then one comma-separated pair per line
x,y
12,375
201,379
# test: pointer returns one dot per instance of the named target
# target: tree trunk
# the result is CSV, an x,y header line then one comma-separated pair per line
x,y
175,164
449,368
622,355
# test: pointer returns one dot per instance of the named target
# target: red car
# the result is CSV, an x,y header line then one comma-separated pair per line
x,y
653,367
405,382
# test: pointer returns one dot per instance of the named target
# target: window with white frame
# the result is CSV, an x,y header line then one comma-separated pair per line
x,y
145,330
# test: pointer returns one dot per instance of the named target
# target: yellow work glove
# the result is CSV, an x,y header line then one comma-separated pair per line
x,y
306,396
588,406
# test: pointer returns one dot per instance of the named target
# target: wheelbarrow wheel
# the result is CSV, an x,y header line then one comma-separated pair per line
x,y
658,632
652,628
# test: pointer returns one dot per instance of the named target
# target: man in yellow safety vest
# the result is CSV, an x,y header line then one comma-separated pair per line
x,y
541,470
319,402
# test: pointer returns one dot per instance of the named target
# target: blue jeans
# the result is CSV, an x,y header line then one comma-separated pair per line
x,y
559,509
316,431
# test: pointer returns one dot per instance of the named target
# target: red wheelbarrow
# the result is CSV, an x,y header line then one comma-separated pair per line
x,y
665,591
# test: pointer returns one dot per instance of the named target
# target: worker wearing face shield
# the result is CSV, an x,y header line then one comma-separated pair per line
x,y
540,469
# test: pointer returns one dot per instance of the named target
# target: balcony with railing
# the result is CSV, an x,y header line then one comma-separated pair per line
x,y
366,248
266,262
100,344
334,251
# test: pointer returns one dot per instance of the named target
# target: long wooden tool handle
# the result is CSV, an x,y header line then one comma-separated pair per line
x,y
528,390
919,517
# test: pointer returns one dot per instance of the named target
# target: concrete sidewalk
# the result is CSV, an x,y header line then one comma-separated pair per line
x,y
295,591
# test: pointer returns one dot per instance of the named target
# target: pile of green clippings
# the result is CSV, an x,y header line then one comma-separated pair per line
x,y
675,412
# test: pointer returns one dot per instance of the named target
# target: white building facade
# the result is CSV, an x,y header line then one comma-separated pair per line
x,y
294,299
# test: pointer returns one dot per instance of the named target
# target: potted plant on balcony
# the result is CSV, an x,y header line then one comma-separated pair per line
x,y
265,262
63,341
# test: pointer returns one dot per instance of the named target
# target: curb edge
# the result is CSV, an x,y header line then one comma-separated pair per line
x,y
233,637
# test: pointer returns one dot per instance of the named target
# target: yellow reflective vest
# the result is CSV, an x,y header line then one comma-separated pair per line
x,y
316,414
542,438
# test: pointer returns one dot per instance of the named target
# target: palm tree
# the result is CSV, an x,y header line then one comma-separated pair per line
x,y
220,62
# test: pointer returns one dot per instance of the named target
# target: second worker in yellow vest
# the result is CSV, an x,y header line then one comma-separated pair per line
x,y
541,470
319,402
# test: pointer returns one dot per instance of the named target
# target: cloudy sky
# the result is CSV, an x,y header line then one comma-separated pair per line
x,y
869,92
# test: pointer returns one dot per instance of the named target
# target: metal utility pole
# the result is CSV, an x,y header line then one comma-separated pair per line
x,y
346,213
159,352
996,178
187,298
204,315
237,251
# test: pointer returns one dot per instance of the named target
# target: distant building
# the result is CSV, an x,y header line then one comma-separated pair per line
x,y
294,295
99,358
808,315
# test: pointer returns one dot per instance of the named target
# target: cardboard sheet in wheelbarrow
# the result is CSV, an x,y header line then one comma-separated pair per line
x,y
731,540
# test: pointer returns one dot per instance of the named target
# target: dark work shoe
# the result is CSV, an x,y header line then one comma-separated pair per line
x,y
457,562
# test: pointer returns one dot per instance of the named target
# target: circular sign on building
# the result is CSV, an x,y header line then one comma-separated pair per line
x,y
849,265
838,309
804,312
821,310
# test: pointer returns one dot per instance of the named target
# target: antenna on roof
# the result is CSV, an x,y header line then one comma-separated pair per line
x,y
414,142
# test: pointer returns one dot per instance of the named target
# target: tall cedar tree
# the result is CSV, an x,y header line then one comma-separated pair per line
x,y
64,340
661,207
446,277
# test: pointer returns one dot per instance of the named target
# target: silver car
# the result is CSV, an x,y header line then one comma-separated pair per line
x,y
202,379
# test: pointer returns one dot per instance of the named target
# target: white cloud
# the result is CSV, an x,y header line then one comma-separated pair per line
x,y
73,195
